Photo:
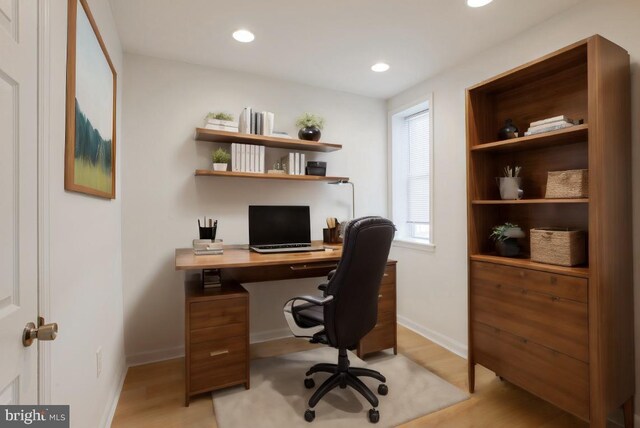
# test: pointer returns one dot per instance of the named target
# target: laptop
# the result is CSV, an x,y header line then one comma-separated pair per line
x,y
280,229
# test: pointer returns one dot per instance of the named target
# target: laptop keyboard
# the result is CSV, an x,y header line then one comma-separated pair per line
x,y
280,246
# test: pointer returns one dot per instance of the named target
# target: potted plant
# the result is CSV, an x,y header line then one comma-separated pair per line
x,y
310,126
220,160
506,238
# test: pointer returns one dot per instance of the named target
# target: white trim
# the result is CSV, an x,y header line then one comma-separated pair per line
x,y
428,100
265,336
148,357
446,342
110,410
414,244
44,226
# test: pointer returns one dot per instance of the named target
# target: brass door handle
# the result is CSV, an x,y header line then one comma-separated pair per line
x,y
217,353
42,332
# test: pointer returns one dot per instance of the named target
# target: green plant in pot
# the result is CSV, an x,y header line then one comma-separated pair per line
x,y
220,159
506,238
220,116
310,126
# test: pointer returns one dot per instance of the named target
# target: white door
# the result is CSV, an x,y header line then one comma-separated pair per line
x,y
18,199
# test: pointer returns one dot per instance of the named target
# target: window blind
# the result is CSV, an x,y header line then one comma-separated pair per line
x,y
419,167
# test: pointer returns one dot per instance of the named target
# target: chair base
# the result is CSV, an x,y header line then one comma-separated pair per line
x,y
342,376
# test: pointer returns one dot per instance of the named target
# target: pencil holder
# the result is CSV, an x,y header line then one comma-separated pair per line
x,y
331,236
208,232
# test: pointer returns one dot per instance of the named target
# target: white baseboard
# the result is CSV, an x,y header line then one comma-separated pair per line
x,y
265,336
452,345
155,356
112,404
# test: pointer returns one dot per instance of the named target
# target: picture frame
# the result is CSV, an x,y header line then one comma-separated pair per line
x,y
90,142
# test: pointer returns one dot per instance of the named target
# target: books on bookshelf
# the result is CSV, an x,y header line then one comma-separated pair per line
x,y
247,158
294,163
221,125
256,122
551,124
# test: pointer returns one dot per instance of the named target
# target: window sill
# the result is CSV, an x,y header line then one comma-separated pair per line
x,y
414,244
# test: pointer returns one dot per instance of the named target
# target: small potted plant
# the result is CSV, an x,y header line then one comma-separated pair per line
x,y
220,160
506,238
310,126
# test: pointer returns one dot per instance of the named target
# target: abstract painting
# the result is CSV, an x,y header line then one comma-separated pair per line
x,y
90,150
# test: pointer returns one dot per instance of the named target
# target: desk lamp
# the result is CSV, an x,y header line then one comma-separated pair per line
x,y
353,194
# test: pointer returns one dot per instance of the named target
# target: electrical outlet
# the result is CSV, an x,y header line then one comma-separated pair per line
x,y
99,362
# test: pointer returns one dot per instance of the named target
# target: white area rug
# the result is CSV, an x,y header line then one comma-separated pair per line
x,y
278,398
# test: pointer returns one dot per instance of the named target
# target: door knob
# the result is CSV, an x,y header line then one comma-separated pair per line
x,y
42,332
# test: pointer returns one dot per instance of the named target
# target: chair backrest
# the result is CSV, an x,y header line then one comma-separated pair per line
x,y
356,283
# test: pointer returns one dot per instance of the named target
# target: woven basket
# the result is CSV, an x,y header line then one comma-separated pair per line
x,y
568,184
555,246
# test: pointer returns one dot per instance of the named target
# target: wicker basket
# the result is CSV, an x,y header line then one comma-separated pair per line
x,y
555,246
568,184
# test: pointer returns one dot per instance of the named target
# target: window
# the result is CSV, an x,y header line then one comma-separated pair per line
x,y
411,175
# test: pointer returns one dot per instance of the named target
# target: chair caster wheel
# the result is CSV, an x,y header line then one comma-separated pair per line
x,y
383,389
309,415
309,383
374,416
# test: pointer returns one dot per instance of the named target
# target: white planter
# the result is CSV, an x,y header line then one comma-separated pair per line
x,y
219,166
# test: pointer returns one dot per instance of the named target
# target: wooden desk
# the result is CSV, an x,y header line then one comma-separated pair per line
x,y
216,321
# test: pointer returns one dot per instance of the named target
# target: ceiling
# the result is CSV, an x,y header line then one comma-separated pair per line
x,y
330,43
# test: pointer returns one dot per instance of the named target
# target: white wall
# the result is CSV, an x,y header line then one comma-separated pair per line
x,y
433,286
163,102
85,278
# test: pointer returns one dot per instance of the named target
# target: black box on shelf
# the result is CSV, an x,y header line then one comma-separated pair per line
x,y
316,168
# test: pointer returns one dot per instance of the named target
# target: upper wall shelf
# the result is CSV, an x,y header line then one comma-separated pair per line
x,y
211,173
575,134
203,134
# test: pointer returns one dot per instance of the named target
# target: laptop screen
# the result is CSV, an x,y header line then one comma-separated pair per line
x,y
278,224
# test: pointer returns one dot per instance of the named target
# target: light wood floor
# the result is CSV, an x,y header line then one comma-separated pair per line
x,y
153,394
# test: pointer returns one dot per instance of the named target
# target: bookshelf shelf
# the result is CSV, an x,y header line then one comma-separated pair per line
x,y
575,134
526,263
212,135
529,201
211,173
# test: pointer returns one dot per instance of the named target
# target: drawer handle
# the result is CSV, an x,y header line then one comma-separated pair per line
x,y
217,353
379,296
554,298
310,267
385,274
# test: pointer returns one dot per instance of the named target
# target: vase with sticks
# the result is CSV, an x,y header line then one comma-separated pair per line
x,y
511,184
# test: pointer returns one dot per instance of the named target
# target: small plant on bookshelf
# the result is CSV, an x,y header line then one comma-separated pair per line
x,y
220,116
310,126
220,159
506,238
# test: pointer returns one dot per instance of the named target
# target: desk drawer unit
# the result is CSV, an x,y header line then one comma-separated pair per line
x,y
216,338
384,334
531,328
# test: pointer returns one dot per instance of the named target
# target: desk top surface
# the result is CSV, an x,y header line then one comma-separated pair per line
x,y
236,256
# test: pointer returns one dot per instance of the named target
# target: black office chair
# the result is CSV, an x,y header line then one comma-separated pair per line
x,y
347,311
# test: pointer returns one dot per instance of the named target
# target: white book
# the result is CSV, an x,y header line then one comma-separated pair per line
x,y
548,129
272,121
252,153
233,156
549,125
262,169
297,163
256,152
303,164
243,159
221,128
290,165
548,120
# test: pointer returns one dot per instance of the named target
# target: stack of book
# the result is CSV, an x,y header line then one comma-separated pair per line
x,y
247,158
221,125
207,247
294,163
550,124
256,122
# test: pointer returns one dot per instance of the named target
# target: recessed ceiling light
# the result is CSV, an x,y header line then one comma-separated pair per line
x,y
244,36
380,67
478,3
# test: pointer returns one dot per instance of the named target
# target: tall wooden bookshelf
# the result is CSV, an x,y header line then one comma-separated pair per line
x,y
563,333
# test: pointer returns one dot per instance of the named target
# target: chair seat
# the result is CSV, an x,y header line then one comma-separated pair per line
x,y
309,315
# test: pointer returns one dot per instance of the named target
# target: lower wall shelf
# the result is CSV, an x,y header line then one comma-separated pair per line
x,y
211,173
581,271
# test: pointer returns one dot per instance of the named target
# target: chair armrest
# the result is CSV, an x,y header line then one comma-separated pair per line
x,y
330,274
316,300
323,287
